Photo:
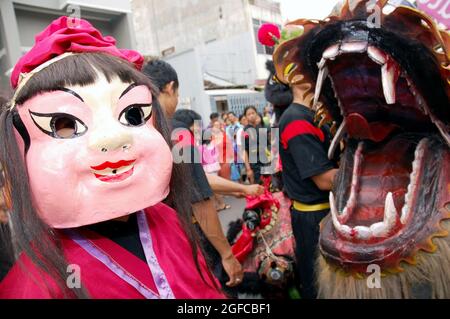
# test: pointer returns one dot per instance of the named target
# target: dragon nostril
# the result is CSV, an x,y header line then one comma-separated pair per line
x,y
104,150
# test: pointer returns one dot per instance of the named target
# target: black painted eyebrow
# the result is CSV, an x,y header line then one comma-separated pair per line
x,y
70,92
128,89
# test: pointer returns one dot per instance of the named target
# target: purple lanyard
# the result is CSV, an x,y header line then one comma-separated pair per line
x,y
165,292
159,277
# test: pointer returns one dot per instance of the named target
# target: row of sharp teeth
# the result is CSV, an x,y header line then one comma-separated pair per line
x,y
390,70
413,181
390,73
426,110
337,139
391,216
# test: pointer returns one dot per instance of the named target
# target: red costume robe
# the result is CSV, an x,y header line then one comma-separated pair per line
x,y
109,271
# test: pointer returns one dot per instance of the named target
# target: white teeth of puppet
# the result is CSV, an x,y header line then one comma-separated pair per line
x,y
377,55
390,218
337,218
362,232
379,230
355,177
390,212
424,106
331,53
342,229
413,180
323,73
389,81
112,172
344,214
336,140
334,212
405,214
322,63
341,109
354,47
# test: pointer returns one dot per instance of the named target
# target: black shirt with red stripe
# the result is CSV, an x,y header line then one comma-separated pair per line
x,y
304,154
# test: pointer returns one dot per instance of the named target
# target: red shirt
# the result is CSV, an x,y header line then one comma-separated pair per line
x,y
170,246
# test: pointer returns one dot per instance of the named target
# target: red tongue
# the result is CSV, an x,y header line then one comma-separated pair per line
x,y
358,127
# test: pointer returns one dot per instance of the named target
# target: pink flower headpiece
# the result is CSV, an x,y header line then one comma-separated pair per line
x,y
62,37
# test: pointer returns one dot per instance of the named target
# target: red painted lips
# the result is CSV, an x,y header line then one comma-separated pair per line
x,y
117,165
113,176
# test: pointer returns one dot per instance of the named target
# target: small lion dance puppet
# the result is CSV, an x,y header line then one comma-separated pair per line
x,y
87,163
386,87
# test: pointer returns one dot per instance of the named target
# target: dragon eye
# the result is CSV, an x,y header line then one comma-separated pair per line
x,y
59,125
136,115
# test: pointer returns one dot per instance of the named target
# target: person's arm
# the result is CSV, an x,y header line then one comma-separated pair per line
x,y
311,159
208,220
248,168
206,216
325,180
225,187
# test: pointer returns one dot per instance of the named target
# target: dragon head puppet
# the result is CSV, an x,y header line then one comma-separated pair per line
x,y
381,73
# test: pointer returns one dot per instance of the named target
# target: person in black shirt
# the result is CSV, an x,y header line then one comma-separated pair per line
x,y
308,176
255,146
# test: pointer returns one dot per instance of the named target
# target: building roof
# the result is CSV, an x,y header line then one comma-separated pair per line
x,y
216,81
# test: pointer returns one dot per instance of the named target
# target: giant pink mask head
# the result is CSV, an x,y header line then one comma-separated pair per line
x,y
94,153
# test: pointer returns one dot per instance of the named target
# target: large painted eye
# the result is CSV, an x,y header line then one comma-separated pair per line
x,y
59,125
136,114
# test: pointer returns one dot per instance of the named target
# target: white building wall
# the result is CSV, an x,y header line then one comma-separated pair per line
x,y
268,12
231,59
204,36
184,24
222,29
192,93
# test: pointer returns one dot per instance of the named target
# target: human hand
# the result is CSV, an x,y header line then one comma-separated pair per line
x,y
251,176
254,190
233,269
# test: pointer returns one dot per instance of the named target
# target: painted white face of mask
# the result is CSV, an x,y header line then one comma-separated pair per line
x,y
94,153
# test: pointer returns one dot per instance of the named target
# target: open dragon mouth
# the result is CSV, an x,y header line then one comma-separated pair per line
x,y
395,144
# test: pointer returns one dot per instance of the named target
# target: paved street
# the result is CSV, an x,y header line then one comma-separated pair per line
x,y
229,215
